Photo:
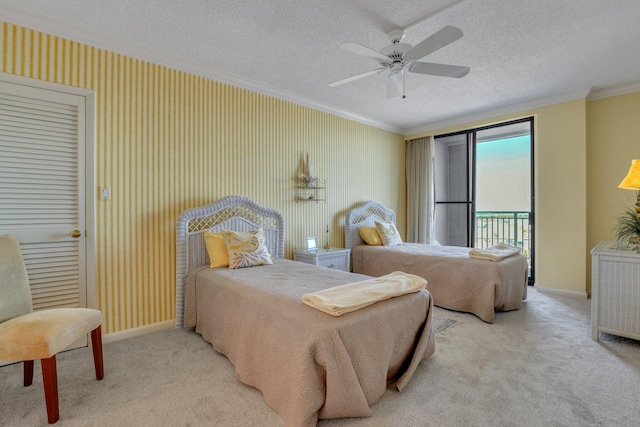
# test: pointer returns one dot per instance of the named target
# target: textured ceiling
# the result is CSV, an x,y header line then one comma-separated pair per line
x,y
519,51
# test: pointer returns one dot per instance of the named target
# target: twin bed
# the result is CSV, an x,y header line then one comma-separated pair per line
x,y
308,364
456,281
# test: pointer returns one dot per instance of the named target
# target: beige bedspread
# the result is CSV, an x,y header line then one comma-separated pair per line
x,y
308,364
455,280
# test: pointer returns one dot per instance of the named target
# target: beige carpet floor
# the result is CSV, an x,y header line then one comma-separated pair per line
x,y
537,366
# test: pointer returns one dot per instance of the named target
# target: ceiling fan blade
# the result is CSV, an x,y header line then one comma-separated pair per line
x,y
437,40
356,77
443,70
362,50
395,83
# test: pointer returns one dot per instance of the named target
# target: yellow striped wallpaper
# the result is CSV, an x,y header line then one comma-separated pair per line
x,y
167,141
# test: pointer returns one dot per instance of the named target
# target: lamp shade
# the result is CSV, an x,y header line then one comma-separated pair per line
x,y
632,180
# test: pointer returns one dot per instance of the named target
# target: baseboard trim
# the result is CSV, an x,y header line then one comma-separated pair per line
x,y
574,294
136,332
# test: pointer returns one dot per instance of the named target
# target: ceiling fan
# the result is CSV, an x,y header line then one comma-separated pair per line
x,y
398,57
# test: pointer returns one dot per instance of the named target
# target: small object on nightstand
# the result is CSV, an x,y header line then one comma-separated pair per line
x,y
336,258
312,244
327,245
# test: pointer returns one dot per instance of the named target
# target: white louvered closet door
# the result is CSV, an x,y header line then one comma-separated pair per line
x,y
42,194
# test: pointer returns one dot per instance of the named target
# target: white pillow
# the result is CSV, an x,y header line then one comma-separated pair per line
x,y
388,233
246,249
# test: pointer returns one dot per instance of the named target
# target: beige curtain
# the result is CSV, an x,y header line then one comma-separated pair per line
x,y
420,190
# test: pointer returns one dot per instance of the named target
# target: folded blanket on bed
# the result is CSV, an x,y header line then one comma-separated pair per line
x,y
343,299
494,253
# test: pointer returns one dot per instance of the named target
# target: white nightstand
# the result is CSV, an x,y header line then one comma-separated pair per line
x,y
615,291
336,258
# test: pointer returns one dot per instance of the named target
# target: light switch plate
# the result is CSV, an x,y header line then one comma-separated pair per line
x,y
105,193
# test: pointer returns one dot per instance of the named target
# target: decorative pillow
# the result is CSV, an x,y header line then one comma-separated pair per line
x,y
216,248
388,233
246,249
370,235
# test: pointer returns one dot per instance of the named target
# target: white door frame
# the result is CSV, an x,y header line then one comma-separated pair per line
x,y
89,183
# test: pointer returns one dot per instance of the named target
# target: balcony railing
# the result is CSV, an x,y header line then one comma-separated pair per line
x,y
508,227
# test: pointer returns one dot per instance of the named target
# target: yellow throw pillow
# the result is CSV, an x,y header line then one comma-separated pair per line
x,y
246,249
388,233
217,249
370,235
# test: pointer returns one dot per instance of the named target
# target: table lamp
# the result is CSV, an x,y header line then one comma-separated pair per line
x,y
632,180
628,227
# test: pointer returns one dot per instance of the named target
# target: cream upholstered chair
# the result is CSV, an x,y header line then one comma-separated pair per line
x,y
26,335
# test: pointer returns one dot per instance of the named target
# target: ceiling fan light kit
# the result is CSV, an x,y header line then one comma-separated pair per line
x,y
395,83
399,57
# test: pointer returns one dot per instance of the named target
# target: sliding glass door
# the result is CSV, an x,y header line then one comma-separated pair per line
x,y
484,187
454,187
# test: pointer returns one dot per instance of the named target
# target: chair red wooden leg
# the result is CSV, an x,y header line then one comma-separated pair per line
x,y
96,344
50,380
28,372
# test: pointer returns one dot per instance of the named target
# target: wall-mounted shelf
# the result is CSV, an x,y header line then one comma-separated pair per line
x,y
311,193
310,188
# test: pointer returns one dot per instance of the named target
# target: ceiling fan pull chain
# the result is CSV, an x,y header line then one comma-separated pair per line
x,y
404,87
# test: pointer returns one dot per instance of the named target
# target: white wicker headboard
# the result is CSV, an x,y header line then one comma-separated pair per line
x,y
236,213
365,214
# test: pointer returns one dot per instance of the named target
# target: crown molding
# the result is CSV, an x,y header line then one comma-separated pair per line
x,y
589,95
614,91
17,17
499,111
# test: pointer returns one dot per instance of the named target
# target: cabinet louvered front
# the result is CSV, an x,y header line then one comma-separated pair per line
x,y
615,290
